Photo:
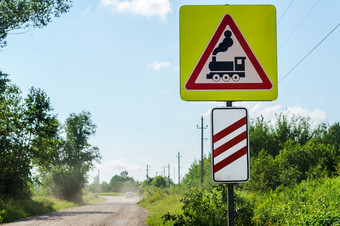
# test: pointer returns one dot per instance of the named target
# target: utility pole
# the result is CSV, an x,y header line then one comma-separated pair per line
x,y
169,173
179,167
202,139
147,171
164,170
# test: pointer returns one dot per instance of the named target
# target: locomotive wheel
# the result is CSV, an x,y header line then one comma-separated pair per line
x,y
216,77
226,77
236,77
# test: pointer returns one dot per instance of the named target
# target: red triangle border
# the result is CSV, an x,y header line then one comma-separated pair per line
x,y
228,20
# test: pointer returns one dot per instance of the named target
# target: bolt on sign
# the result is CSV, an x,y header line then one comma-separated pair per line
x,y
230,157
228,52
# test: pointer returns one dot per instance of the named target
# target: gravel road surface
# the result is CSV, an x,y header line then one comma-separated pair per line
x,y
115,210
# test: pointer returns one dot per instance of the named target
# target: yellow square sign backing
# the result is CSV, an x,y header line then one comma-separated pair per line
x,y
228,52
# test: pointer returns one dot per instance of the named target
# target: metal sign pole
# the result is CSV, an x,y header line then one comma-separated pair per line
x,y
230,204
230,194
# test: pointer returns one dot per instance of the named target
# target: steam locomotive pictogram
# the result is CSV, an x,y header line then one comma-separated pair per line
x,y
227,69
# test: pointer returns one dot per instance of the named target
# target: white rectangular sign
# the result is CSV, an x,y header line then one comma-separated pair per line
x,y
230,157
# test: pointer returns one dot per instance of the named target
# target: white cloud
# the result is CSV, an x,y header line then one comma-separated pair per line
x,y
156,65
148,8
120,165
316,116
268,112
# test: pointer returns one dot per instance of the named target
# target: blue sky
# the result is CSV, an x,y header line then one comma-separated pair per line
x,y
119,59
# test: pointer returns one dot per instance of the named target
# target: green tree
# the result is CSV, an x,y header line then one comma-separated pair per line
x,y
104,187
261,137
159,182
28,135
295,128
122,182
332,135
263,172
193,177
76,157
298,162
24,14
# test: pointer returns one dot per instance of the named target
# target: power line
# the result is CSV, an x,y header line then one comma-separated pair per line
x,y
185,146
309,52
285,11
305,57
296,28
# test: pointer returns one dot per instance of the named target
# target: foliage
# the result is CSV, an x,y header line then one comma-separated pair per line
x,y
159,182
294,163
161,201
202,207
331,135
272,137
76,157
29,134
294,180
13,209
23,14
314,202
122,183
193,177
104,187
296,152
261,137
264,172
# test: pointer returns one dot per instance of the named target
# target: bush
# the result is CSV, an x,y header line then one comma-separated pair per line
x,y
202,207
264,173
308,203
15,209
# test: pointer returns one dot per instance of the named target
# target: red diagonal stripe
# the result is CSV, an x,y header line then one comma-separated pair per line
x,y
230,144
230,159
218,136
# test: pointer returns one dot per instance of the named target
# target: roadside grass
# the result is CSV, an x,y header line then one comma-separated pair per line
x,y
160,203
311,202
92,199
315,202
110,194
12,209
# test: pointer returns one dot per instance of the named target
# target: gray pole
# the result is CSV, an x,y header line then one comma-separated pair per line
x,y
179,168
230,194
202,139
147,171
169,173
202,163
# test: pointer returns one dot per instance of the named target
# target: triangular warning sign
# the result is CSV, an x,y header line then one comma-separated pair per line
x,y
228,63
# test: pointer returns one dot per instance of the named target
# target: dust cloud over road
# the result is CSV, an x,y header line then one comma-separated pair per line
x,y
115,210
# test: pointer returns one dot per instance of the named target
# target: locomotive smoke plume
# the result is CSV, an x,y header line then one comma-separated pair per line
x,y
223,46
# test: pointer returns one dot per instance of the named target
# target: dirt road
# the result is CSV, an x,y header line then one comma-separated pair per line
x,y
115,210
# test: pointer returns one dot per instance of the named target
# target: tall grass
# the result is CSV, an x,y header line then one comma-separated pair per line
x,y
313,202
160,202
12,209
